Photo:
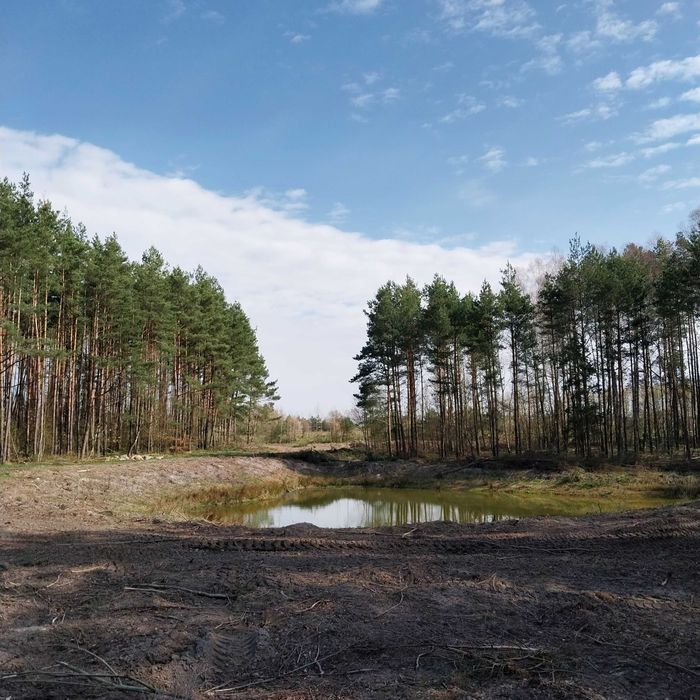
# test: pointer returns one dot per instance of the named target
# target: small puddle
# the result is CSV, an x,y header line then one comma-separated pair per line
x,y
375,507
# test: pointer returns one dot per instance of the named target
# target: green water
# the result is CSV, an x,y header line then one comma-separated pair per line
x,y
374,507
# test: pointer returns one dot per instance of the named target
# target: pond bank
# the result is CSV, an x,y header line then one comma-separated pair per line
x,y
108,494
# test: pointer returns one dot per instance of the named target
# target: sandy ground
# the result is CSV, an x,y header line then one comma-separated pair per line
x,y
99,601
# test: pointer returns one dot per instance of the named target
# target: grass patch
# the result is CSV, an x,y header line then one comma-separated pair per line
x,y
197,501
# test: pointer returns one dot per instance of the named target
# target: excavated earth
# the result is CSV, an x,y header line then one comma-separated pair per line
x,y
99,603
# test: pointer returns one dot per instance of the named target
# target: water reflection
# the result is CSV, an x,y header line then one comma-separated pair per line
x,y
373,507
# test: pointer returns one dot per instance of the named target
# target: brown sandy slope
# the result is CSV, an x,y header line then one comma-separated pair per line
x,y
96,604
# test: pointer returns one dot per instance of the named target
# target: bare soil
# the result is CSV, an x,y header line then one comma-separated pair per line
x,y
99,601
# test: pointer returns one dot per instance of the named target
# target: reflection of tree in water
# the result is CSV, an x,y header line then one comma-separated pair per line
x,y
374,507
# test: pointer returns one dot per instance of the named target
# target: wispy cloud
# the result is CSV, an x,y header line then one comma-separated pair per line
x,y
691,95
684,69
687,183
670,9
291,201
391,94
651,175
674,206
174,10
608,83
549,59
611,26
615,160
599,112
583,43
338,213
661,103
467,106
503,18
362,100
509,101
663,129
355,7
297,38
494,159
652,151
365,93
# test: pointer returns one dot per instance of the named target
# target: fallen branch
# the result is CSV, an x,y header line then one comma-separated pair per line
x,y
155,588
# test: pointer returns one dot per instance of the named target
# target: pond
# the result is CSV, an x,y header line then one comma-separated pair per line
x,y
374,507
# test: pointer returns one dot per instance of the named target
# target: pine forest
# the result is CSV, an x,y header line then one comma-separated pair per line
x,y
99,355
600,359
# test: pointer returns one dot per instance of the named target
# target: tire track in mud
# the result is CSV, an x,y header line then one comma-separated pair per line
x,y
444,544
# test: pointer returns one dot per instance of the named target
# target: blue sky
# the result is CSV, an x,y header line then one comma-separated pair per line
x,y
473,130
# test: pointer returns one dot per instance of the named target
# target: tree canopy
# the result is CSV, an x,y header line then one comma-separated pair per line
x,y
99,354
602,358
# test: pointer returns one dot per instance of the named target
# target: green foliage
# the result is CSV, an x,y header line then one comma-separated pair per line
x,y
99,354
602,358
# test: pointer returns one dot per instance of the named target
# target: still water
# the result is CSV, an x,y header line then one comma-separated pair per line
x,y
374,507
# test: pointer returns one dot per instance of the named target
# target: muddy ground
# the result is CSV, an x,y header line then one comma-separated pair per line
x,y
99,600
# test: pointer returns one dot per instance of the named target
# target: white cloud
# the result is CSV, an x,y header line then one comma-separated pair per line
x,y
611,26
504,18
468,106
608,82
355,7
362,101
391,94
297,38
494,159
674,206
338,213
583,43
532,162
509,101
615,160
661,103
291,201
304,284
371,78
652,174
652,151
549,60
684,69
663,129
690,182
670,9
693,141
601,111
175,10
691,95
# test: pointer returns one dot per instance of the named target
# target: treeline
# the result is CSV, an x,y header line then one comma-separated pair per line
x,y
286,429
602,359
101,355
